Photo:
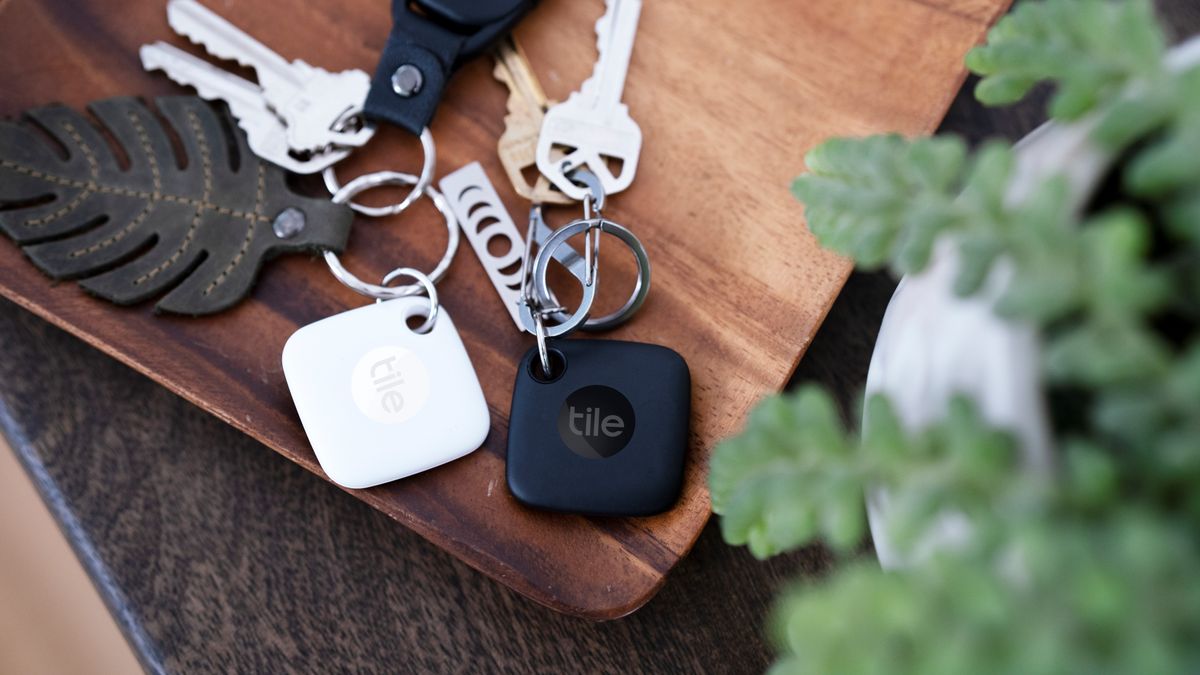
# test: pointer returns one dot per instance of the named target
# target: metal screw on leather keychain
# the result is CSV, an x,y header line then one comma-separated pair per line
x,y
380,400
429,40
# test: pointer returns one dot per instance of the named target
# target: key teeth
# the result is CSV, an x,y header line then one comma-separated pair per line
x,y
206,93
271,132
200,41
146,55
188,18
154,59
308,70
603,27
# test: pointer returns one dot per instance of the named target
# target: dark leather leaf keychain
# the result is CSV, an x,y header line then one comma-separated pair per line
x,y
134,228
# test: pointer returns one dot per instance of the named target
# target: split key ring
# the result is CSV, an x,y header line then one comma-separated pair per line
x,y
545,254
384,292
419,184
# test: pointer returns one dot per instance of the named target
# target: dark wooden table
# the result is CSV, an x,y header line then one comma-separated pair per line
x,y
215,554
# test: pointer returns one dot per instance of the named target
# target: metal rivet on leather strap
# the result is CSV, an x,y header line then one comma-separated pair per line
x,y
407,80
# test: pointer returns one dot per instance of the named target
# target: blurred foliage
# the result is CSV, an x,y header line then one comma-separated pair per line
x,y
796,474
1091,569
1091,50
1124,601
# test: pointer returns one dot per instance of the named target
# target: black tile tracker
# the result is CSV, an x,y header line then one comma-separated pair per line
x,y
607,436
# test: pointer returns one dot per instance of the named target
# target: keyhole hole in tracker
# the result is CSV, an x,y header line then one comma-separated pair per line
x,y
414,323
419,317
415,317
558,366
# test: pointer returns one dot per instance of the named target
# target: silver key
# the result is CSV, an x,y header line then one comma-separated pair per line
x,y
265,132
312,101
312,105
592,125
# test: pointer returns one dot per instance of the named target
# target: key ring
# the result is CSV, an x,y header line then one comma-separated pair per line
x,y
593,206
641,288
379,178
595,197
425,283
539,323
533,309
420,185
531,313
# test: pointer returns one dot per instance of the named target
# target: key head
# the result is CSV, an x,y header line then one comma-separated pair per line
x,y
527,106
268,138
518,153
517,148
608,436
314,110
574,134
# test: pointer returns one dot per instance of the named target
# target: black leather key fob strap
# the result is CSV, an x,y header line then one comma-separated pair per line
x,y
430,39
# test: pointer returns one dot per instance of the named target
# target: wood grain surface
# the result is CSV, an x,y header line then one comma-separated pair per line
x,y
215,555
728,99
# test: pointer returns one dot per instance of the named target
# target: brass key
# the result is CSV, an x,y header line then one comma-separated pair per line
x,y
527,107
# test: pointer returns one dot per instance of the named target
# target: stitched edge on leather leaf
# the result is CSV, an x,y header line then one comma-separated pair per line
x,y
110,203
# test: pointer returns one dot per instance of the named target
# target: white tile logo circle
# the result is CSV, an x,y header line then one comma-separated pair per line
x,y
390,384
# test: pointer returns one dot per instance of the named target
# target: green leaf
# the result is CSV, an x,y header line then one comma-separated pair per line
x,y
1090,473
885,199
1089,49
1000,89
1098,354
1182,217
1118,282
1169,164
769,483
1129,119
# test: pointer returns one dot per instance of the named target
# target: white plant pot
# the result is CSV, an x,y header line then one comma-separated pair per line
x,y
934,345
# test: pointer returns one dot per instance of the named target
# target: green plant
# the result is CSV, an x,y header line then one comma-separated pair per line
x,y
1092,569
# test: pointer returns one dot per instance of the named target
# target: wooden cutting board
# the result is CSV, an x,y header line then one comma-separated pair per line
x,y
729,98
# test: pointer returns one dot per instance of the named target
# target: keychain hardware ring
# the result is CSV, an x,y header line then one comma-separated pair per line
x,y
593,205
379,178
426,284
531,316
533,311
596,197
355,129
539,323
640,289
533,307
420,184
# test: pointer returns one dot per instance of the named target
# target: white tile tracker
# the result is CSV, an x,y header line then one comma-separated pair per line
x,y
378,400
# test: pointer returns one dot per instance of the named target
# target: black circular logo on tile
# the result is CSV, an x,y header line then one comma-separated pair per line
x,y
596,422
